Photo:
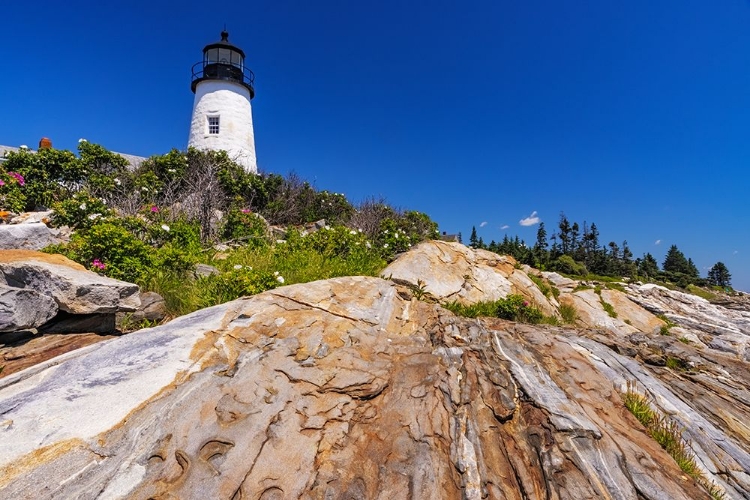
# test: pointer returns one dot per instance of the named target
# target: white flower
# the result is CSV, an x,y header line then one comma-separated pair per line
x,y
280,279
237,266
385,246
165,227
385,232
171,170
275,273
83,206
368,245
117,181
144,188
94,216
352,232
328,227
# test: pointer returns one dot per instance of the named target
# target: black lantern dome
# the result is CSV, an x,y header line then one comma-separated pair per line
x,y
223,61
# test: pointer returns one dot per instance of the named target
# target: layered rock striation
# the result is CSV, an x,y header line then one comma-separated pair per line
x,y
353,388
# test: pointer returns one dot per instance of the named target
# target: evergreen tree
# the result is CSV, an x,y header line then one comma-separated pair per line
x,y
565,234
541,255
719,275
473,241
648,267
675,261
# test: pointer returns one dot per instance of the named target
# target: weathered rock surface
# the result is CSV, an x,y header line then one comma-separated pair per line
x,y
21,309
30,236
75,289
453,272
346,388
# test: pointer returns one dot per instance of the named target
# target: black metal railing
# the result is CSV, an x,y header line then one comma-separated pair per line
x,y
222,71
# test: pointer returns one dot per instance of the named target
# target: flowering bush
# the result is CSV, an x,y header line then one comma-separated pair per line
x,y
241,224
80,211
12,195
517,308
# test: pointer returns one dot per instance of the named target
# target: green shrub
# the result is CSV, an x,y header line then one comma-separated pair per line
x,y
513,307
12,191
80,211
241,224
239,282
568,313
566,265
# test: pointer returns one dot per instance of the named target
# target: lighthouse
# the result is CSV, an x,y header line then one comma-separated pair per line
x,y
222,114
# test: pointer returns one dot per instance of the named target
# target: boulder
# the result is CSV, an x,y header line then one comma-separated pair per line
x,y
343,388
22,309
32,217
31,236
450,272
204,270
75,289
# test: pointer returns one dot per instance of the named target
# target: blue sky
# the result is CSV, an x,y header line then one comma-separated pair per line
x,y
633,115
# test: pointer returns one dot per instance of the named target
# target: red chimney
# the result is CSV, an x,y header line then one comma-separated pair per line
x,y
45,143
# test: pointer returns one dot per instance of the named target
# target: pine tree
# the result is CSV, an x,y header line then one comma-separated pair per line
x,y
648,267
675,261
565,230
719,275
473,241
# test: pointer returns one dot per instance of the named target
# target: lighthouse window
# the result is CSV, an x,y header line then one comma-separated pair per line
x,y
213,125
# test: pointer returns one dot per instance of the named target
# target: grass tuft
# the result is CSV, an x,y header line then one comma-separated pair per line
x,y
668,434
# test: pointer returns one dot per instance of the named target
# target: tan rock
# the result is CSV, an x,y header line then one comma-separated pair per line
x,y
344,389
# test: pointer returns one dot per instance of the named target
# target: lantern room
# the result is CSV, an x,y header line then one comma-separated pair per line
x,y
223,61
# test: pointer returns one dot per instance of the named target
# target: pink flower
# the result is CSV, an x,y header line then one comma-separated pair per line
x,y
98,264
245,210
154,209
2,182
525,304
18,177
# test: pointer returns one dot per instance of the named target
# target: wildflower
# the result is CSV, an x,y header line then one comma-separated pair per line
x,y
144,188
2,183
154,209
94,216
275,273
367,244
165,227
352,232
18,177
280,279
245,210
98,264
118,182
237,266
525,303
82,206
171,170
385,246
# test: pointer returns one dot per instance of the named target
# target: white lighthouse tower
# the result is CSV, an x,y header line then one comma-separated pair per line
x,y
222,114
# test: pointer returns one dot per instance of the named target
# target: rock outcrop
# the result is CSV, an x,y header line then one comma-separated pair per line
x,y
345,388
64,294
353,388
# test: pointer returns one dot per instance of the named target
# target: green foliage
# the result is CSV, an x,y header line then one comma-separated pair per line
x,y
239,282
241,224
719,275
677,364
566,265
608,308
12,190
701,292
568,313
80,211
667,433
513,307
543,285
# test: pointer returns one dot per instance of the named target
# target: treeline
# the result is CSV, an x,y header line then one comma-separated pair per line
x,y
575,249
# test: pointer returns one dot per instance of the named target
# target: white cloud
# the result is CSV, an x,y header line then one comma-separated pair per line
x,y
530,220
657,242
484,223
506,226
735,252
